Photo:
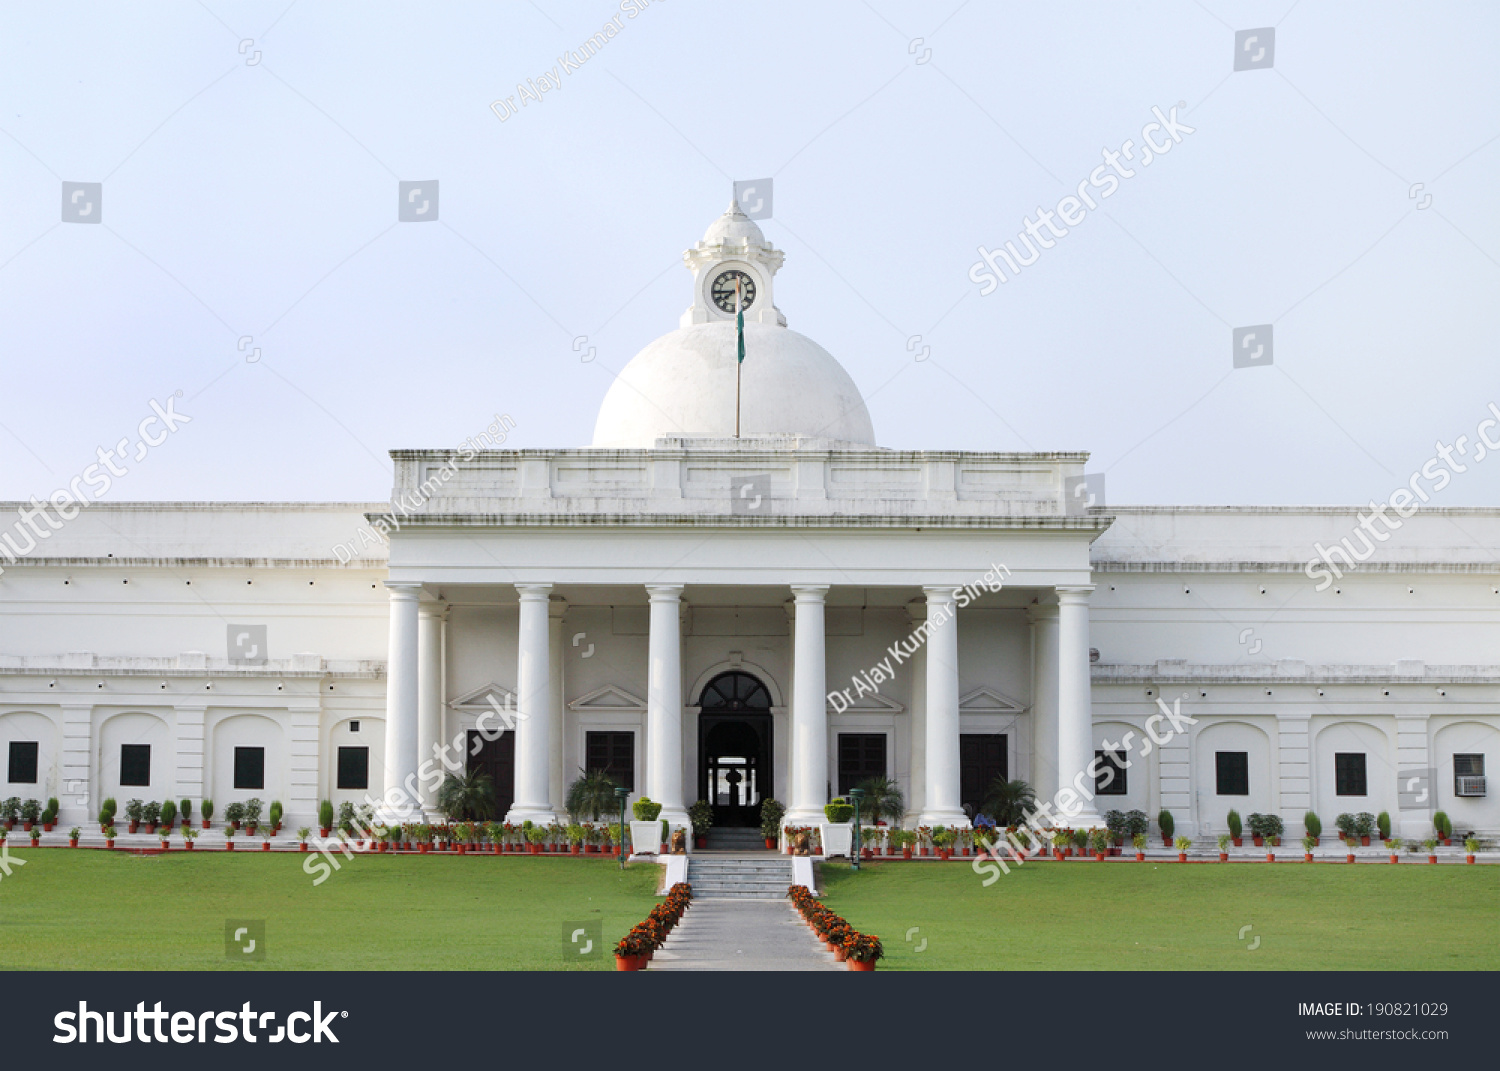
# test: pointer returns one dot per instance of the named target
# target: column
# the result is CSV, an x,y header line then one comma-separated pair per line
x,y
397,804
941,806
1044,679
664,703
1075,716
430,617
557,788
916,796
534,708
77,802
809,782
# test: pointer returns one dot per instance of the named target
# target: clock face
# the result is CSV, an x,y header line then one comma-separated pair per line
x,y
723,290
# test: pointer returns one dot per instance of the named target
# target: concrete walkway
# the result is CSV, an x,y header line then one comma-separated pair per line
x,y
743,935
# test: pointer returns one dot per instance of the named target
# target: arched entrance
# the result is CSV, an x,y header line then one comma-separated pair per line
x,y
734,748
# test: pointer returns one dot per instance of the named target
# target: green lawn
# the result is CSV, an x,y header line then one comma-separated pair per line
x,y
1170,916
96,910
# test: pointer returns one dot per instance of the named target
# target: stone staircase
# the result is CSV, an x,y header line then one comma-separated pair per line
x,y
761,877
730,839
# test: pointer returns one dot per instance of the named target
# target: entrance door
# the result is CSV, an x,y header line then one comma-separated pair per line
x,y
734,748
497,758
982,757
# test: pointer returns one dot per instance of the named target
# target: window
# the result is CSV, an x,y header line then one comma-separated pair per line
x,y
982,757
22,762
135,764
1232,773
354,767
249,767
1349,773
612,752
1111,778
1468,775
861,757
354,726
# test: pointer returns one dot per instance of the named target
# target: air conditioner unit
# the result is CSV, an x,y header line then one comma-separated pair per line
x,y
1468,786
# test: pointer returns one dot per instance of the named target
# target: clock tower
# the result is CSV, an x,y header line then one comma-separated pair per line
x,y
733,259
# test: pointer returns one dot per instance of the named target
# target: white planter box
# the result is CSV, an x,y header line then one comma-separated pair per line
x,y
838,838
645,837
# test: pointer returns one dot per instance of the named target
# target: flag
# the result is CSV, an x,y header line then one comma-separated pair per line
x,y
739,319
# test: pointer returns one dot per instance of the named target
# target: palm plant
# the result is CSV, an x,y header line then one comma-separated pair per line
x,y
591,795
467,796
883,799
1008,801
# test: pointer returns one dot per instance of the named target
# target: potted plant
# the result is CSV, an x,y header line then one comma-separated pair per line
x,y
31,814
189,834
1471,845
325,819
73,838
134,811
1366,824
1271,850
1139,841
206,808
1099,843
771,814
537,835
862,950
645,831
1062,841
109,837
1308,844
151,815
49,814
234,814
168,815
1166,825
1444,827
1080,842
701,814
1257,829
1114,822
1312,826
36,834
165,836
1344,823
275,817
1224,841
185,810
229,832
1351,842
1236,827
253,807
1395,847
942,839
1183,844
1430,844
10,812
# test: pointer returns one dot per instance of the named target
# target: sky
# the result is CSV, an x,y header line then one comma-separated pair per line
x,y
243,258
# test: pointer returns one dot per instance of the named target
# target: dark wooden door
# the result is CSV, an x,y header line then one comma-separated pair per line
x,y
982,757
497,758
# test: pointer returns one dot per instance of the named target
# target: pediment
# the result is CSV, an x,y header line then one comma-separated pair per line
x,y
479,699
609,698
988,701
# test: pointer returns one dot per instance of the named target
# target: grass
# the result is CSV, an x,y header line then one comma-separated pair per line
x,y
1170,916
72,909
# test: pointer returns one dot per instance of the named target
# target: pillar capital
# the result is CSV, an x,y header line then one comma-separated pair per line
x,y
1074,593
534,592
401,590
664,592
943,594
810,592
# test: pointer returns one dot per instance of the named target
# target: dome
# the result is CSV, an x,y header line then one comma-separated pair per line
x,y
733,226
683,384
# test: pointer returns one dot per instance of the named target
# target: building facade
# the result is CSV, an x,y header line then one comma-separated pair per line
x,y
735,594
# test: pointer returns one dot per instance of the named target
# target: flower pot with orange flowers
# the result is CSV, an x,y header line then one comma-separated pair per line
x,y
862,951
631,951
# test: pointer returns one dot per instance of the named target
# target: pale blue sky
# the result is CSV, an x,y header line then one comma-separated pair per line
x,y
259,197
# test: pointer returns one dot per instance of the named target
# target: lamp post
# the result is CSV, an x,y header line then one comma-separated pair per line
x,y
856,794
621,794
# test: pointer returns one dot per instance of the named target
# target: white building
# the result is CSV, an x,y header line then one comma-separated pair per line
x,y
705,612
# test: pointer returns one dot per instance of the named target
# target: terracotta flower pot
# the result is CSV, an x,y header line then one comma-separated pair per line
x,y
1432,859
1469,859
1223,857
1447,842
840,954
1239,842
1270,857
187,845
134,826
166,846
1364,842
1307,857
906,852
206,823
627,963
861,964
322,832
770,844
36,842
229,845
1166,842
1182,857
1098,857
109,844
1258,841
1140,857
577,849
265,845
73,843
1349,858
1394,857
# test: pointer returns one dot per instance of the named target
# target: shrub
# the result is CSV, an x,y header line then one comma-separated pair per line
x,y
151,813
134,810
1364,825
1099,840
645,810
1183,844
276,813
1114,821
1136,822
10,810
49,813
701,814
1441,823
1257,824
168,813
207,807
1139,840
185,808
325,815
1236,827
1344,823
1080,839
1272,825
253,807
1224,842
1165,824
771,814
235,812
838,810
1312,824
31,811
